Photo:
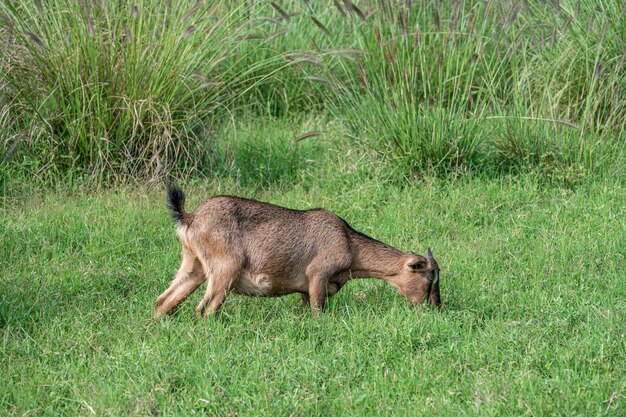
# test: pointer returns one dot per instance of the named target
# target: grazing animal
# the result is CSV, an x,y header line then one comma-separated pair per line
x,y
259,249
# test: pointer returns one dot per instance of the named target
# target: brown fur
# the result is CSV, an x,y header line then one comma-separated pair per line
x,y
255,248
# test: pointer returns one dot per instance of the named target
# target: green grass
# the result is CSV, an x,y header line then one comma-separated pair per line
x,y
533,321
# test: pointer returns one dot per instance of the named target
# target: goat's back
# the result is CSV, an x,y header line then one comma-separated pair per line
x,y
272,239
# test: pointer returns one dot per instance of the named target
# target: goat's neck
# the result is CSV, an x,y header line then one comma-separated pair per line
x,y
375,259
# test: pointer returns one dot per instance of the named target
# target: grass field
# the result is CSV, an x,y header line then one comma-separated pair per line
x,y
533,319
492,132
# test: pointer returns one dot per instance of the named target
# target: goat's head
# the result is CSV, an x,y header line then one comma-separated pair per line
x,y
419,279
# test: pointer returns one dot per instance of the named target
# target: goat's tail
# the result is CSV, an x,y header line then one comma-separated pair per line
x,y
176,203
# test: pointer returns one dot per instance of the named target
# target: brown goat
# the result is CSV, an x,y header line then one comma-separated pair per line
x,y
256,248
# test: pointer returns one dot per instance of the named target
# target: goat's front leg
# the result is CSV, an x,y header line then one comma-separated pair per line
x,y
305,299
317,295
331,289
320,274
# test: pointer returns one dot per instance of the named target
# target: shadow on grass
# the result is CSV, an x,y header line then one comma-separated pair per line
x,y
263,151
30,303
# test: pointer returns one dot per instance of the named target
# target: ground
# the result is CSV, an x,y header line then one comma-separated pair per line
x,y
533,319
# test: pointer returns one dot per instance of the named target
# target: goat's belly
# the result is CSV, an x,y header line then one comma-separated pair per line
x,y
262,285
249,284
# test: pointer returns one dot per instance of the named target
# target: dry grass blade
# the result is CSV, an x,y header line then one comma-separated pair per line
x,y
395,140
319,80
597,71
340,8
337,83
192,12
566,26
416,36
199,75
271,20
127,35
402,21
90,27
320,25
349,54
361,72
314,45
281,11
36,40
253,37
354,8
307,135
552,37
218,61
303,57
388,56
278,34
436,20
8,155
214,27
190,31
515,9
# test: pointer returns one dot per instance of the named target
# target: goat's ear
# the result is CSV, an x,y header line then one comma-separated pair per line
x,y
417,264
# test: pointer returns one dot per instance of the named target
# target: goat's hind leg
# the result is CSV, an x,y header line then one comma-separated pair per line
x,y
188,278
221,275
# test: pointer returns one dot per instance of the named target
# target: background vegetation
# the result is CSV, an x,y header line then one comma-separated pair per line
x,y
140,89
492,131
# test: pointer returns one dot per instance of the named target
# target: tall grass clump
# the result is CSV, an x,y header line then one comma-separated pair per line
x,y
9,141
417,100
497,87
122,88
299,50
137,88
